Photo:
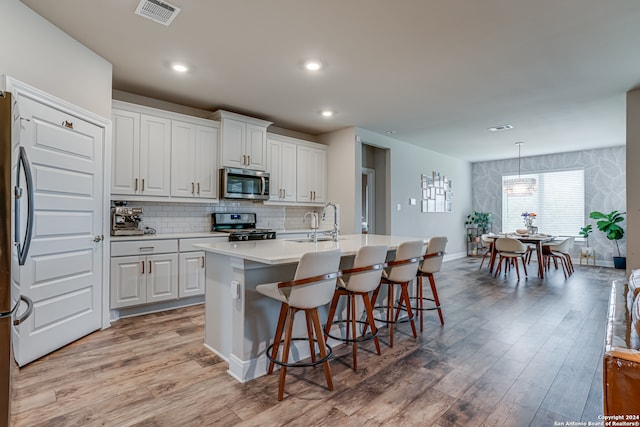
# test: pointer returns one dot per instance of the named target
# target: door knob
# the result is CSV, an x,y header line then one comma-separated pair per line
x,y
98,238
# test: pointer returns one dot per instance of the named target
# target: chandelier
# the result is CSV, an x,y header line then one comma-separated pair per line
x,y
519,186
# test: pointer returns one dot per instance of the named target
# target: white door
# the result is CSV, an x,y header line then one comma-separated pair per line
x,y
255,147
162,277
155,155
206,162
288,171
183,140
63,273
191,269
128,281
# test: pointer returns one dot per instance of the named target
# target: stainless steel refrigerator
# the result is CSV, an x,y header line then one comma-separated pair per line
x,y
12,240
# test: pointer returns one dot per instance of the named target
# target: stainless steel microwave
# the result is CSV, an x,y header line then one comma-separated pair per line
x,y
244,184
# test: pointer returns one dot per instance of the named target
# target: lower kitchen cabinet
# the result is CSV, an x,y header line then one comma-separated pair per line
x,y
191,269
143,272
141,279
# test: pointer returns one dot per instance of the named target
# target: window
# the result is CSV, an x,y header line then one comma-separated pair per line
x,y
558,202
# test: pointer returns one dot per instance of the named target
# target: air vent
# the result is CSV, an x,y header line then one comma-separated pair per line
x,y
501,127
158,11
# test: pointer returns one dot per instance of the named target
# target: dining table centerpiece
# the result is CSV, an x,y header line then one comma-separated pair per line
x,y
528,218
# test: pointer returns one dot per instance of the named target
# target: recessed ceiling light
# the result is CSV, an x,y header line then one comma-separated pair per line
x,y
313,65
501,127
180,68
327,113
391,132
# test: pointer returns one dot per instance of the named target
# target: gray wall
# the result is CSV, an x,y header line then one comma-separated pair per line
x,y
633,178
605,187
39,54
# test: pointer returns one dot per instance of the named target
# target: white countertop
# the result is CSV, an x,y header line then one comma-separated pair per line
x,y
282,251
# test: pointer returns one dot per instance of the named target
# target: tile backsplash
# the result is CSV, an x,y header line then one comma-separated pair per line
x,y
174,217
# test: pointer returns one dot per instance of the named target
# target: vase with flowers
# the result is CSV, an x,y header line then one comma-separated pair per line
x,y
528,218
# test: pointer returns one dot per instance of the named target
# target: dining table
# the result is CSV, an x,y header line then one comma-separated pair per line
x,y
534,239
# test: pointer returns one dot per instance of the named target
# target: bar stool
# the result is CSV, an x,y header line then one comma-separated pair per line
x,y
431,264
402,272
364,277
313,286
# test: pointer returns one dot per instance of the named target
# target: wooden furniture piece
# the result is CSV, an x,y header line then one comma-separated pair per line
x,y
431,264
510,250
559,251
536,240
587,254
402,272
488,241
363,278
313,286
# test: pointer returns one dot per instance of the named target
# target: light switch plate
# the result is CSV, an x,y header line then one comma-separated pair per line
x,y
235,289
398,206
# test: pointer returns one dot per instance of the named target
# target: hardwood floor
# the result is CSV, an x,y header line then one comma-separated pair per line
x,y
510,354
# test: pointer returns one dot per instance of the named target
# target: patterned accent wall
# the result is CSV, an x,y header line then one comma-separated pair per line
x,y
605,187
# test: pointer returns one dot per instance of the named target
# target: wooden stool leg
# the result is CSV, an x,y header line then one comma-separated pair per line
x,y
321,345
312,347
420,302
374,298
435,297
352,300
285,352
284,308
390,316
332,312
374,330
404,289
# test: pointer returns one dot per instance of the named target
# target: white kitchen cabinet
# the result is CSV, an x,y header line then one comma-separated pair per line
x,y
191,280
311,174
140,274
281,165
194,160
243,140
141,154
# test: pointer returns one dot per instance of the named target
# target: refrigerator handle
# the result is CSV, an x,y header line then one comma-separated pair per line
x,y
23,247
27,312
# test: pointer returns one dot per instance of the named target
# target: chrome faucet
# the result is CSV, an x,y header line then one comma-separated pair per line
x,y
334,233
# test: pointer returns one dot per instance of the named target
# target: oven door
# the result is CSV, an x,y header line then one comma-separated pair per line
x,y
244,184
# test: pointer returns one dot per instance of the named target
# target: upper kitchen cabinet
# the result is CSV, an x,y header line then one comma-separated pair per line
x,y
141,154
311,174
163,155
194,160
281,165
243,140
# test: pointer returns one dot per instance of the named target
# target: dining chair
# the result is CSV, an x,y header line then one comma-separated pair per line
x,y
488,242
559,252
509,251
313,286
432,264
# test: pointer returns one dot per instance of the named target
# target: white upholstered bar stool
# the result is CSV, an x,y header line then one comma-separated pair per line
x,y
431,264
510,250
402,272
313,286
362,279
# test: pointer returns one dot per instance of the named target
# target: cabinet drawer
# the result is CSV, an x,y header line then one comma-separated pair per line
x,y
186,245
145,247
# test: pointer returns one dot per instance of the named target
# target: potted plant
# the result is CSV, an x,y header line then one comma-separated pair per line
x,y
481,220
609,225
584,232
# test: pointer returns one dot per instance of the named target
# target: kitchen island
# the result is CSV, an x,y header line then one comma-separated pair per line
x,y
240,322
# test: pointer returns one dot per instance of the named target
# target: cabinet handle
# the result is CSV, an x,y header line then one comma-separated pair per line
x,y
149,267
248,160
193,188
202,265
244,160
136,189
142,184
142,262
198,188
146,248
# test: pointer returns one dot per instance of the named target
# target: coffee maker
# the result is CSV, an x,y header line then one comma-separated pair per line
x,y
126,221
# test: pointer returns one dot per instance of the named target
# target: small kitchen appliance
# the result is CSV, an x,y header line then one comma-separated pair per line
x,y
125,221
240,226
247,184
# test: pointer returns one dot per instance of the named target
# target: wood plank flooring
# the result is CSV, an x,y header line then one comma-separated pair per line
x,y
510,354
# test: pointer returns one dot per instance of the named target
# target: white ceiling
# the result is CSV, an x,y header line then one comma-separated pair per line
x,y
437,72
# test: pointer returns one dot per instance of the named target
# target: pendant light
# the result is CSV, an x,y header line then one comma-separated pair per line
x,y
519,186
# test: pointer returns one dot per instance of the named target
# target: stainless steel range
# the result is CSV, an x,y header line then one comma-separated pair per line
x,y
240,226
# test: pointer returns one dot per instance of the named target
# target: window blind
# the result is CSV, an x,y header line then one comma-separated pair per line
x,y
558,203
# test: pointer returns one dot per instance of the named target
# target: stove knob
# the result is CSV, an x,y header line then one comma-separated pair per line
x,y
245,237
265,236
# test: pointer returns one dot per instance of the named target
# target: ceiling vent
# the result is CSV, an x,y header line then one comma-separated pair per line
x,y
158,11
